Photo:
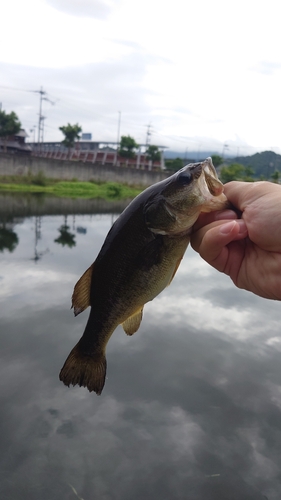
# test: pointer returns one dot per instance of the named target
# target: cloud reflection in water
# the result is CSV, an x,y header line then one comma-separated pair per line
x,y
191,406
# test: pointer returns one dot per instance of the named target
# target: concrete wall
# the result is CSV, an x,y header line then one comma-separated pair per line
x,y
67,170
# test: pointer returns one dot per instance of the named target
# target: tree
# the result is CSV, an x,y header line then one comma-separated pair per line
x,y
153,153
71,133
9,125
275,176
249,174
233,172
217,160
8,239
65,237
127,147
175,164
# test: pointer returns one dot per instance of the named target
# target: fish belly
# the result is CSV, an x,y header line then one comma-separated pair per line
x,y
146,284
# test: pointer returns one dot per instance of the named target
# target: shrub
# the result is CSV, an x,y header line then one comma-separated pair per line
x,y
113,190
39,179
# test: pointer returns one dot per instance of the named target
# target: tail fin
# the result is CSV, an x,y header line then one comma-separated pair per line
x,y
85,370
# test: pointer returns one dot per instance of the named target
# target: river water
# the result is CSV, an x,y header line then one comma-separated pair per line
x,y
191,407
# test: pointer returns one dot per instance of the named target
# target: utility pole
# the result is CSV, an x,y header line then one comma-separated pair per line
x,y
148,134
225,146
43,121
42,97
118,135
118,129
41,92
185,155
33,131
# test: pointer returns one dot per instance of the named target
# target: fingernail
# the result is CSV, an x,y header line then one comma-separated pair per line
x,y
242,226
227,228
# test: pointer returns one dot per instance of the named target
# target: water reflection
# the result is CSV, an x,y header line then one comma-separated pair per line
x,y
8,238
65,237
192,404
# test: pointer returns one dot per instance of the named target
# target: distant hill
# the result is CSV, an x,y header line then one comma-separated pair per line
x,y
189,156
263,164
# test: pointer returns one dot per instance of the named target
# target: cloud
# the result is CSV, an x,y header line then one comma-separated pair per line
x,y
267,67
99,9
198,406
91,94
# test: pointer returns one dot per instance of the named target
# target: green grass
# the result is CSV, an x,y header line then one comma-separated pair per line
x,y
70,189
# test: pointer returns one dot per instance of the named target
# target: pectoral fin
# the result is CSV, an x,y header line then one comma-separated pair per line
x,y
132,324
81,292
158,217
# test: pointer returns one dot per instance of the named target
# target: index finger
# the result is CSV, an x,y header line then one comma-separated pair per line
x,y
240,194
207,218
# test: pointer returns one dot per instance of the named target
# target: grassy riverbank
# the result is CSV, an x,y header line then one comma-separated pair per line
x,y
70,189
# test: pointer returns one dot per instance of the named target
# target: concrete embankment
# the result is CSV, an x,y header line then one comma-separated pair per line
x,y
68,170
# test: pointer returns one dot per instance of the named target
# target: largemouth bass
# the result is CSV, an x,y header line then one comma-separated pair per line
x,y
139,258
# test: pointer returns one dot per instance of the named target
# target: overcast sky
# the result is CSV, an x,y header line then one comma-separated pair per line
x,y
203,74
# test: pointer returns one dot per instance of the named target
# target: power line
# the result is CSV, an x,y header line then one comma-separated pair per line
x,y
43,96
13,88
25,90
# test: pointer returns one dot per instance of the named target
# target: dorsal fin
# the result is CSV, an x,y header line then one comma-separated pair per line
x,y
132,324
81,292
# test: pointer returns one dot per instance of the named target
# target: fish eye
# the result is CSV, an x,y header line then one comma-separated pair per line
x,y
185,178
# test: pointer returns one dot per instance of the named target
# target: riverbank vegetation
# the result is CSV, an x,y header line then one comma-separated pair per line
x,y
72,189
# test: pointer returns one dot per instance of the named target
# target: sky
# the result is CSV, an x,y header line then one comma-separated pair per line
x,y
202,75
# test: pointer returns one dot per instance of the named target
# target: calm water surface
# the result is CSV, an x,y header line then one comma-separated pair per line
x,y
191,407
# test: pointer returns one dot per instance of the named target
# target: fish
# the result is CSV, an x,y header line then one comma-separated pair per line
x,y
138,259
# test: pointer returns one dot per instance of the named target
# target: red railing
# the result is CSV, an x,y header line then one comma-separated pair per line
x,y
140,161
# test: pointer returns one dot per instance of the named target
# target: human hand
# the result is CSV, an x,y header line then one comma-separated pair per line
x,y
245,245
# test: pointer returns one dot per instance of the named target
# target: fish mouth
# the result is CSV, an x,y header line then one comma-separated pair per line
x,y
211,188
210,179
204,173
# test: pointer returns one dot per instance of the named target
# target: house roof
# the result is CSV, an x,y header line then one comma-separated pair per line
x,y
22,133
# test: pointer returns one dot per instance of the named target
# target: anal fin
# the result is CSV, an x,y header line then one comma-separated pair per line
x,y
81,292
132,324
